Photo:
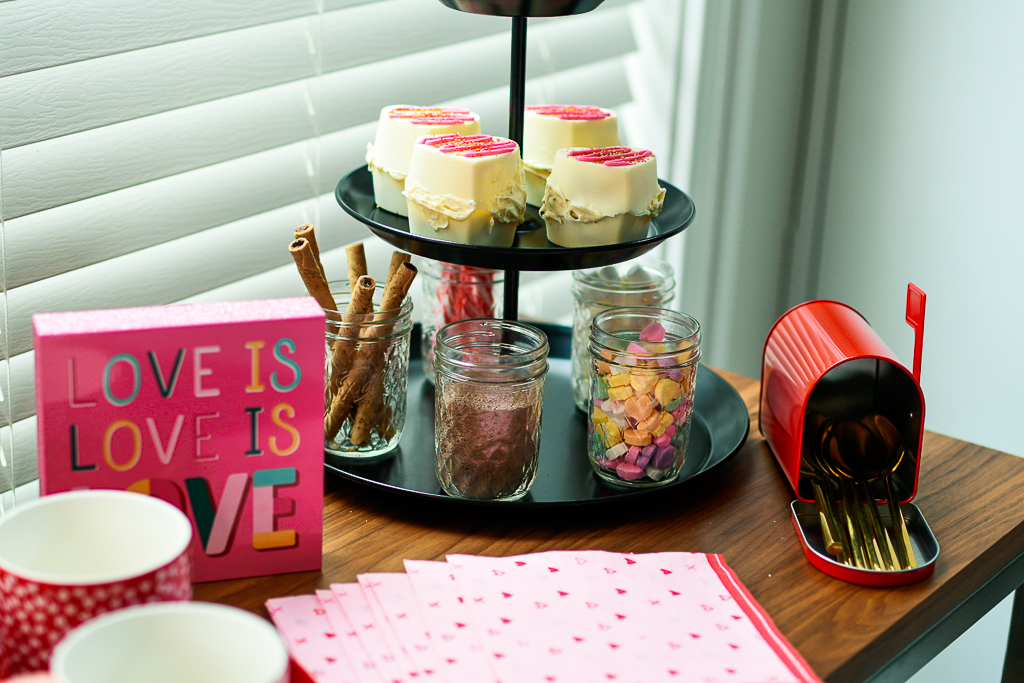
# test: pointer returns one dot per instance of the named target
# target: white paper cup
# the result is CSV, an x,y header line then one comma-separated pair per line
x,y
174,642
68,557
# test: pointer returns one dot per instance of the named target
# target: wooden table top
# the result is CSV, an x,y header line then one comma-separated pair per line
x,y
972,497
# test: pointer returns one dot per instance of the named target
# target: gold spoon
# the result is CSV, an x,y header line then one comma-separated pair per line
x,y
836,541
845,438
893,440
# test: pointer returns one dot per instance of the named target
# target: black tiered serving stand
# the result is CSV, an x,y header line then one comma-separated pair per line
x,y
720,419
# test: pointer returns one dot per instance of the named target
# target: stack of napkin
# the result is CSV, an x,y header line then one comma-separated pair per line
x,y
550,617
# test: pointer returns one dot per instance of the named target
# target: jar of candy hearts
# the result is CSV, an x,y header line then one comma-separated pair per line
x,y
643,282
451,293
643,367
488,406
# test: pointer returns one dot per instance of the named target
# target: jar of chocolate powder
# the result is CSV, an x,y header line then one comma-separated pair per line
x,y
487,407
646,281
643,369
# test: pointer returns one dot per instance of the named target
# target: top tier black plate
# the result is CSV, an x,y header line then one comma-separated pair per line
x,y
523,8
531,249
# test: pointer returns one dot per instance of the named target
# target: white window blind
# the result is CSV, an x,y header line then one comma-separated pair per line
x,y
154,152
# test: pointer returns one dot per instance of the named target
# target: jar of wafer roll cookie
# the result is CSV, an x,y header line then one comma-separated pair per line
x,y
366,370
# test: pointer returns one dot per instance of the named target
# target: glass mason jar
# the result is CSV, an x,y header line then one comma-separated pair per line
x,y
367,377
453,293
644,282
643,369
487,407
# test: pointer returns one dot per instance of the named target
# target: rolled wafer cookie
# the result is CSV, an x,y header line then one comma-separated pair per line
x,y
359,306
356,257
306,230
313,277
397,259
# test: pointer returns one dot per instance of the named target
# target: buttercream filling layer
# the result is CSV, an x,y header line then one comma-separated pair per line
x,y
558,207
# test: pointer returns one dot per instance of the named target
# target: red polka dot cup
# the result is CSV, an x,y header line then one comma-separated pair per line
x,y
198,642
68,557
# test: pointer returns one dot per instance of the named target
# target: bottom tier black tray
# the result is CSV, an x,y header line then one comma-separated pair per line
x,y
564,475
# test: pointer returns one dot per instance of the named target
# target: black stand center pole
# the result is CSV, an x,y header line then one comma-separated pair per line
x,y
516,104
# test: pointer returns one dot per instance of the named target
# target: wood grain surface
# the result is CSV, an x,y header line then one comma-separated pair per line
x,y
972,497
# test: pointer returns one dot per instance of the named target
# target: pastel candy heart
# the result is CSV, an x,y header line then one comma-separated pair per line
x,y
636,348
629,471
663,440
639,407
664,458
655,474
632,454
654,332
616,451
636,438
644,457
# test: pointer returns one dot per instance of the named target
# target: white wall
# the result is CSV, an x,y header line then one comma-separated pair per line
x,y
927,185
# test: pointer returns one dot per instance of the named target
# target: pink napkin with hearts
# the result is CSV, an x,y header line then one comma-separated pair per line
x,y
311,638
394,605
549,617
459,650
593,615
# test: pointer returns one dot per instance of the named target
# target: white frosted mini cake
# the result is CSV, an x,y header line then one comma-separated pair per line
x,y
599,196
399,128
466,188
549,128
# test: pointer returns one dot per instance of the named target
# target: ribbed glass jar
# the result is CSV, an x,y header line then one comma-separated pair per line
x,y
366,377
642,282
487,408
643,370
452,293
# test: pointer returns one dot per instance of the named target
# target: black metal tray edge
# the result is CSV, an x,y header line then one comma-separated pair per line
x,y
724,445
354,193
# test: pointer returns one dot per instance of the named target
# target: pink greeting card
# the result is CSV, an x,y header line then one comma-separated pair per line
x,y
215,408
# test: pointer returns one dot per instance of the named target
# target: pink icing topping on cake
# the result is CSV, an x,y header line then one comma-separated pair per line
x,y
469,145
611,156
571,112
432,116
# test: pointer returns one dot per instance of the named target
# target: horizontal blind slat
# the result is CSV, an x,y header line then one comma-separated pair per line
x,y
19,444
75,167
176,269
49,103
22,401
39,34
76,235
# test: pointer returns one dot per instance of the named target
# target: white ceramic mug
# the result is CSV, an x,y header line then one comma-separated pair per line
x,y
68,557
174,642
